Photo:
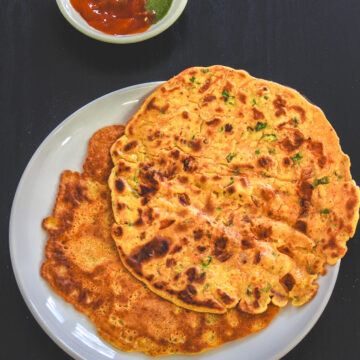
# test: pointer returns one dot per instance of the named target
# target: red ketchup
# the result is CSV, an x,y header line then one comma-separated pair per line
x,y
115,17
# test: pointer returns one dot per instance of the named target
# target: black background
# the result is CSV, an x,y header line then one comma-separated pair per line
x,y
48,70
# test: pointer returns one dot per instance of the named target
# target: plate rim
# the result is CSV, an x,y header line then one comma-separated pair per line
x,y
67,348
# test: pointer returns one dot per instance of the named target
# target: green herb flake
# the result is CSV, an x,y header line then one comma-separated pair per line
x,y
230,156
296,159
178,268
193,137
230,183
205,71
226,95
324,211
266,97
218,208
257,152
135,179
296,121
163,111
248,290
201,125
266,289
339,176
222,129
206,262
192,79
272,151
269,137
260,125
322,181
253,102
130,224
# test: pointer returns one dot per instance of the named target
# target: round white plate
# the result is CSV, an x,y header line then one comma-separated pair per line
x,y
65,148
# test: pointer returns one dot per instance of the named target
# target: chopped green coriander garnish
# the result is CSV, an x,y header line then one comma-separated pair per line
x,y
222,129
271,151
205,262
230,156
248,290
253,102
193,137
219,208
226,95
339,176
130,224
266,289
192,79
230,183
257,152
296,159
324,211
260,125
296,121
323,181
266,97
269,137
163,111
135,177
205,71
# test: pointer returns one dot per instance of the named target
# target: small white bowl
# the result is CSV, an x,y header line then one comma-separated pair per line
x,y
75,19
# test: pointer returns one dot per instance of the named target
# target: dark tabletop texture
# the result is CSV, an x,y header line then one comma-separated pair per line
x,y
48,70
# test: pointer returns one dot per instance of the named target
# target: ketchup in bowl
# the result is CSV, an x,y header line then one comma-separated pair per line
x,y
121,17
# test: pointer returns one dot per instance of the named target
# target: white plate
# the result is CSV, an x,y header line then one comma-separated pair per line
x,y
65,148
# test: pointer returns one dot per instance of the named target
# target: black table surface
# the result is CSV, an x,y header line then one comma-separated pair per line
x,y
48,70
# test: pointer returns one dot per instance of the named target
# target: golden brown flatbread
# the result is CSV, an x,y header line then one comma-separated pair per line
x,y
228,191
82,266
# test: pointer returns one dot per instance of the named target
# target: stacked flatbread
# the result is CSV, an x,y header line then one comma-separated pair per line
x,y
82,266
229,195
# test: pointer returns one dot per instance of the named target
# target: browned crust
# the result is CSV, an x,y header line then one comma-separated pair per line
x,y
83,267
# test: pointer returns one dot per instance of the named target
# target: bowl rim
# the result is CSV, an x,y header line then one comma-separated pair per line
x,y
154,30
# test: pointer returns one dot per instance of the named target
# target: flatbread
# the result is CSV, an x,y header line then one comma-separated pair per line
x,y
228,191
82,266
